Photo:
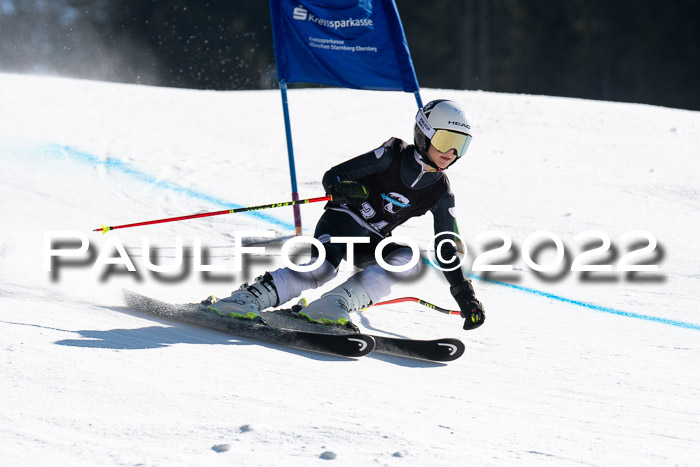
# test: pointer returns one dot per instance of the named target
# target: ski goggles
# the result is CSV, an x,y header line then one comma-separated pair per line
x,y
443,140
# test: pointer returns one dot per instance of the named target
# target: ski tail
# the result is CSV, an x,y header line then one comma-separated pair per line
x,y
346,345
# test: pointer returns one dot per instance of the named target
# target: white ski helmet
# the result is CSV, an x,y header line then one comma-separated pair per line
x,y
444,124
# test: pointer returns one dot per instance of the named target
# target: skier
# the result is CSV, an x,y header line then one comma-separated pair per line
x,y
371,195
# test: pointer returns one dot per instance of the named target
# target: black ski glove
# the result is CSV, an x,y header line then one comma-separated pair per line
x,y
471,308
348,192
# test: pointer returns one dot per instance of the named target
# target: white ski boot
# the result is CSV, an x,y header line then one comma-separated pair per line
x,y
249,300
334,307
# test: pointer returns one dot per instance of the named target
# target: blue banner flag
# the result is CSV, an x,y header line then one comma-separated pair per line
x,y
356,44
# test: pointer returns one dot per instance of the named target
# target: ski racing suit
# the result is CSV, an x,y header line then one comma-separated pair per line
x,y
399,189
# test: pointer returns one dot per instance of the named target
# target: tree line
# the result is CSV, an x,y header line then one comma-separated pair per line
x,y
645,51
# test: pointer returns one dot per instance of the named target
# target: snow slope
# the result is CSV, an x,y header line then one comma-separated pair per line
x,y
569,369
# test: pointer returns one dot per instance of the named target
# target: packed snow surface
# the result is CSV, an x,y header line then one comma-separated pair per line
x,y
570,368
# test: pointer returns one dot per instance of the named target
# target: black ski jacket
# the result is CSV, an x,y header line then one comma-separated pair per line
x,y
399,189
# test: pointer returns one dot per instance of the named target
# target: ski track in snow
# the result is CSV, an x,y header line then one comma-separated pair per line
x,y
571,371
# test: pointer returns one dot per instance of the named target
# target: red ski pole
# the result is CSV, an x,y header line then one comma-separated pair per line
x,y
418,300
104,229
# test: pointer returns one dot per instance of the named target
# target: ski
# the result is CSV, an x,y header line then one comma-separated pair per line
x,y
346,345
438,350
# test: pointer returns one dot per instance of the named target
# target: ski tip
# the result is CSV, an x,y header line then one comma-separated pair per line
x,y
365,344
451,349
436,350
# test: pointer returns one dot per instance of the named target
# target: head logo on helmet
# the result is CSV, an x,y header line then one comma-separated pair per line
x,y
446,125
